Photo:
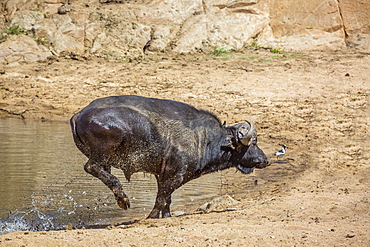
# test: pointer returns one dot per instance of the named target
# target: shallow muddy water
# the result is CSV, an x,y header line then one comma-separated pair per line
x,y
43,184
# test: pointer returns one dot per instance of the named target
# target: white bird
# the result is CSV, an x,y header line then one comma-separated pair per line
x,y
281,152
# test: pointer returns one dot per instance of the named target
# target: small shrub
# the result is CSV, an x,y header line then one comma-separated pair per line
x,y
220,51
255,44
276,50
40,41
15,30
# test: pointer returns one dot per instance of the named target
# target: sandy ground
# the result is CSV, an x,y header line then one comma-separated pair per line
x,y
317,103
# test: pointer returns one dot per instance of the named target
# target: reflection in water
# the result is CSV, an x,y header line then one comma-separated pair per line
x,y
43,184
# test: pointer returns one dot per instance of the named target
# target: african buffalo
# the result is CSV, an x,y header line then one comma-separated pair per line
x,y
172,140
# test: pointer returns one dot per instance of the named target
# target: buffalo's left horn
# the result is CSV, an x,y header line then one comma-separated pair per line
x,y
247,137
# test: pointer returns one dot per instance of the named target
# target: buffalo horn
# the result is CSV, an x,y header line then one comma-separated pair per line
x,y
247,137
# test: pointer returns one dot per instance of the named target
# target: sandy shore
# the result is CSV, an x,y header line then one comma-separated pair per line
x,y
316,103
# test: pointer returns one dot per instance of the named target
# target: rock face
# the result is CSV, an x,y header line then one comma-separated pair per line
x,y
22,48
307,25
356,21
121,28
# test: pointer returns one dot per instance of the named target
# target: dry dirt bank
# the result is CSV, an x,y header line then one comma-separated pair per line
x,y
316,103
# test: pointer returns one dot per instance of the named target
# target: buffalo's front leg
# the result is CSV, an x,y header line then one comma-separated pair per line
x,y
103,173
161,205
163,200
166,210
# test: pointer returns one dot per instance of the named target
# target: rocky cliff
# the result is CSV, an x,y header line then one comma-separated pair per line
x,y
120,29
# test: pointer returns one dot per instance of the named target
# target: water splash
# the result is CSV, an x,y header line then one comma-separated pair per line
x,y
49,212
32,220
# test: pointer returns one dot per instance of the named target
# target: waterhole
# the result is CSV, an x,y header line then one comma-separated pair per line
x,y
43,185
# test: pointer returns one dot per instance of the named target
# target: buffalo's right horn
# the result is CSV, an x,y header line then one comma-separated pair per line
x,y
245,140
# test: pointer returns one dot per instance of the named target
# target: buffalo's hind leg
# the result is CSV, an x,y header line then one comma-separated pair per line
x,y
103,173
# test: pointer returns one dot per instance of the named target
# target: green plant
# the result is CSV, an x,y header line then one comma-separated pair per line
x,y
15,30
41,41
254,44
276,50
11,30
220,51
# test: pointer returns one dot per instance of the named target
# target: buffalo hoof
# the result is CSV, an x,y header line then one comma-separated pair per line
x,y
124,203
154,214
166,214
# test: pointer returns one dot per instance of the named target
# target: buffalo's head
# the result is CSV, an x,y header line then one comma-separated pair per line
x,y
246,154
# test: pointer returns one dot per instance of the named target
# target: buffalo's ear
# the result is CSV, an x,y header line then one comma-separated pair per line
x,y
234,144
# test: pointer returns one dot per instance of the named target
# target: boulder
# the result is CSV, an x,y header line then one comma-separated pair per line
x,y
224,25
62,33
22,48
27,18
